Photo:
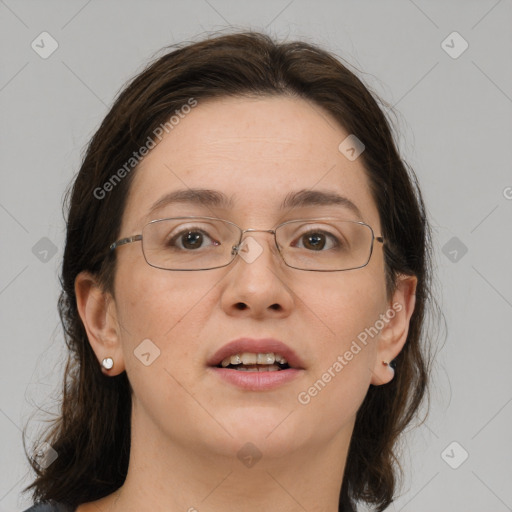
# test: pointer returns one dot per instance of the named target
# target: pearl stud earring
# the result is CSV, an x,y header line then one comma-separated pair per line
x,y
107,363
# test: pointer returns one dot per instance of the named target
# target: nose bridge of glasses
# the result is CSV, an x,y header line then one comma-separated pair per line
x,y
256,230
272,231
250,230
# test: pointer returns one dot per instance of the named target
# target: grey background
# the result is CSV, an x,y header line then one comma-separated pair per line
x,y
455,129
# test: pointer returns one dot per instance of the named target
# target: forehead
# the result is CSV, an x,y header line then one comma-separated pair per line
x,y
256,152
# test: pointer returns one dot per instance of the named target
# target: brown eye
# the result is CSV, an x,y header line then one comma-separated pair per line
x,y
316,240
190,240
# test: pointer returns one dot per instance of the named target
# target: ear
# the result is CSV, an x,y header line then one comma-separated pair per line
x,y
97,310
396,327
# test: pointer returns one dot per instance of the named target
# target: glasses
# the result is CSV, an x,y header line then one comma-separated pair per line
x,y
325,244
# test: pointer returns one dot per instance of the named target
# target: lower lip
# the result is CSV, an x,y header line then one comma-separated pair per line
x,y
257,381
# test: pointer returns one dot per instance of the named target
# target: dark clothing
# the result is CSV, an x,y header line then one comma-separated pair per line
x,y
50,507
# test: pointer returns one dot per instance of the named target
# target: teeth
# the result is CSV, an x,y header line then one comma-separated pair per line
x,y
266,358
249,358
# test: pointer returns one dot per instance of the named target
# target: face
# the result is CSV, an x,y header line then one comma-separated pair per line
x,y
256,151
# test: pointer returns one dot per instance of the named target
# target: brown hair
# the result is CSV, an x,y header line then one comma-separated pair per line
x,y
92,433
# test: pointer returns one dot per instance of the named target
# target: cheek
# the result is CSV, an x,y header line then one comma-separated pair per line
x,y
159,306
345,305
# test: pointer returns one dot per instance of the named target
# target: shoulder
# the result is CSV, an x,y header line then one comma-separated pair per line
x,y
49,507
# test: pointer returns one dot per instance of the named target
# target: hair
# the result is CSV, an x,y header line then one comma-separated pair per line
x,y
92,431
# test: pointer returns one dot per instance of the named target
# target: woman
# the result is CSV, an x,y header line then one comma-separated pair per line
x,y
247,265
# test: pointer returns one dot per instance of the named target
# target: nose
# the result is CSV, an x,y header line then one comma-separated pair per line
x,y
256,288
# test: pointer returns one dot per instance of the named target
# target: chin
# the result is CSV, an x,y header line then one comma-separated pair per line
x,y
263,426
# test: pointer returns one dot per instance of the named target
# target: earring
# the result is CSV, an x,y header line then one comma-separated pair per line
x,y
385,362
107,363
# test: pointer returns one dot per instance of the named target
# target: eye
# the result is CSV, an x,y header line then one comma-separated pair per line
x,y
190,239
316,240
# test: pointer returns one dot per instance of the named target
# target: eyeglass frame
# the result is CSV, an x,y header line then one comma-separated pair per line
x,y
236,248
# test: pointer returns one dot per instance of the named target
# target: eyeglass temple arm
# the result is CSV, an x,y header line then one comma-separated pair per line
x,y
127,240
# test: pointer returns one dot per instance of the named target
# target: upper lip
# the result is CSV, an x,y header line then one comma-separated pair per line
x,y
256,346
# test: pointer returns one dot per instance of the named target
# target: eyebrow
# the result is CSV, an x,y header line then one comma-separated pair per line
x,y
216,199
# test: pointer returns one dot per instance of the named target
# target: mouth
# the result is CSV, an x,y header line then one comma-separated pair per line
x,y
256,365
248,354
252,362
